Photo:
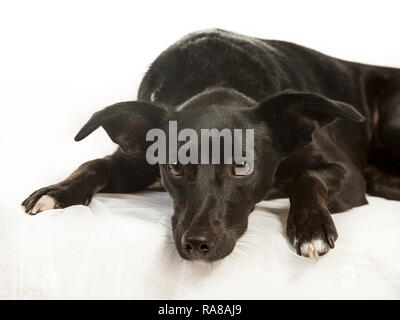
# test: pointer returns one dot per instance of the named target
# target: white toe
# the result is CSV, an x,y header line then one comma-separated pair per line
x,y
314,248
45,203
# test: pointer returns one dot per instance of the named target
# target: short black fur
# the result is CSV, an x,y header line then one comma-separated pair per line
x,y
326,132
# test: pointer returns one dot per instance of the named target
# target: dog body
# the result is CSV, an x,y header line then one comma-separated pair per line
x,y
326,132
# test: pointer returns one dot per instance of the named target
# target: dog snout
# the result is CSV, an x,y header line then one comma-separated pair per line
x,y
198,244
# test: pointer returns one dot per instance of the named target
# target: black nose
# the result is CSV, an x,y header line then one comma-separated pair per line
x,y
197,245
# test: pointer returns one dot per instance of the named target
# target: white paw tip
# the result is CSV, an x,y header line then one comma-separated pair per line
x,y
45,203
313,249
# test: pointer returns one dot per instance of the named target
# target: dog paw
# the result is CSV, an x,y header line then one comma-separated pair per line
x,y
44,203
312,234
39,200
313,249
54,197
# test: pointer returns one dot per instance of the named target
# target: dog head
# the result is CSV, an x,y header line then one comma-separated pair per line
x,y
212,201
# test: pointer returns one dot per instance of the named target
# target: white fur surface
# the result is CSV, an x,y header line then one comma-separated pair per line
x,y
121,247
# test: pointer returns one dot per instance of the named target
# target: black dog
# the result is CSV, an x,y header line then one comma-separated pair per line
x,y
326,132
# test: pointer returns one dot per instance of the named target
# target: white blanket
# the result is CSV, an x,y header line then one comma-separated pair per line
x,y
121,247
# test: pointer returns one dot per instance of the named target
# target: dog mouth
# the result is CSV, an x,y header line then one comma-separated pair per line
x,y
203,242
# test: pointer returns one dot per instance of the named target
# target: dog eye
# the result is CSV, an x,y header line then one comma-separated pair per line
x,y
176,169
241,169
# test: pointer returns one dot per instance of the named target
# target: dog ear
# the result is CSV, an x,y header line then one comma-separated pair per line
x,y
293,116
126,123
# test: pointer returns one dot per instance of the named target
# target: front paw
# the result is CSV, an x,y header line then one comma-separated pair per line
x,y
311,231
54,197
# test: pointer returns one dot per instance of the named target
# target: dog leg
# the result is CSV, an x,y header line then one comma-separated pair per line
x,y
78,188
117,173
383,182
310,227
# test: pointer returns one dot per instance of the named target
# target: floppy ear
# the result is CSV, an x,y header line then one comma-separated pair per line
x,y
293,116
126,123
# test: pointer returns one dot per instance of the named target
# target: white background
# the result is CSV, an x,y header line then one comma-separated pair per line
x,y
60,61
